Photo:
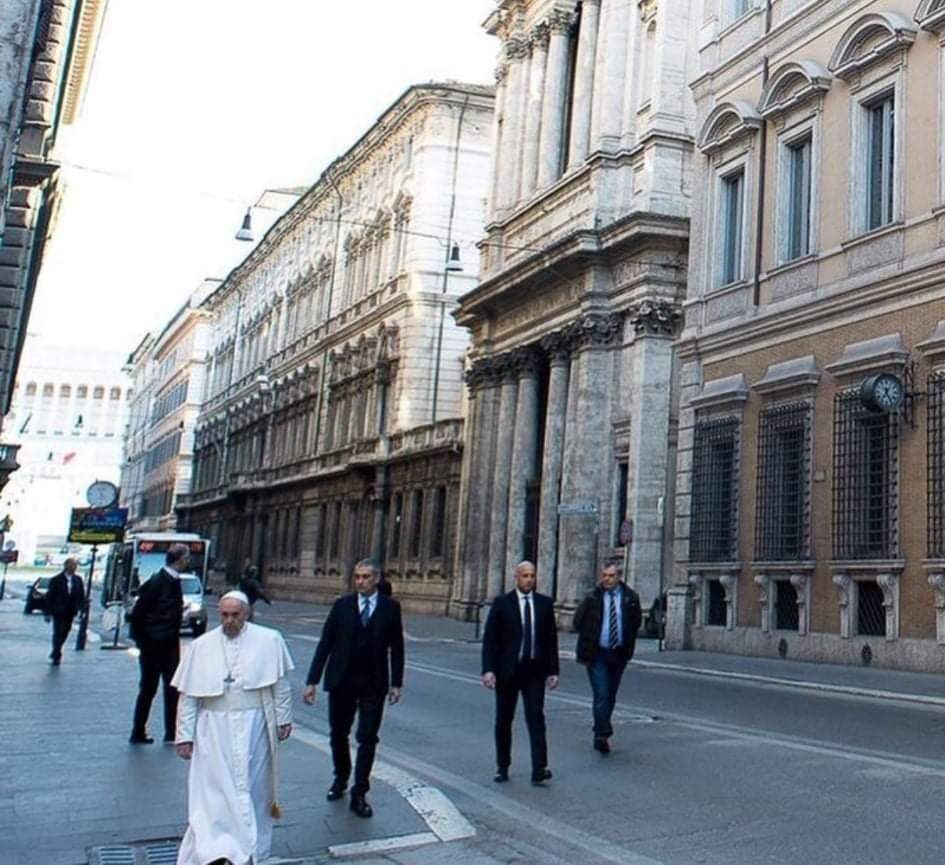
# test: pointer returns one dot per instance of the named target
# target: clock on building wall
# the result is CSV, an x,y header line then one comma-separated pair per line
x,y
883,392
102,494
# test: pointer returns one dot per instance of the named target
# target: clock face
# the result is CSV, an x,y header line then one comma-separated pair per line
x,y
888,392
101,494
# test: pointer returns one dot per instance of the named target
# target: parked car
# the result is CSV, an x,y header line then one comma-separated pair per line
x,y
36,595
194,617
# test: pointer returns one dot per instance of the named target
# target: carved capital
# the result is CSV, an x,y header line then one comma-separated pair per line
x,y
482,374
937,582
557,346
516,48
526,361
655,318
594,331
561,22
506,367
799,581
541,34
500,72
842,582
888,582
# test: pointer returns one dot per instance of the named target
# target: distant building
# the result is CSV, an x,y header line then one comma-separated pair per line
x,y
67,417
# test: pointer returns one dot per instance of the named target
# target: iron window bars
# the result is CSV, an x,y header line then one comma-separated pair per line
x,y
936,465
714,490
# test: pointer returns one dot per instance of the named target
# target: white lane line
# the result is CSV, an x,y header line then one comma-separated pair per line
x,y
307,637
441,816
382,845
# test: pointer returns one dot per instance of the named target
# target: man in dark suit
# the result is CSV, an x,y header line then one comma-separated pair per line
x,y
64,600
362,644
155,626
520,656
607,622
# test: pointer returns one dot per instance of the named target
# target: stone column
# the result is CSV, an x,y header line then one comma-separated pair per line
x,y
654,325
516,50
499,510
556,346
524,465
609,87
583,83
553,100
588,454
379,496
533,112
498,138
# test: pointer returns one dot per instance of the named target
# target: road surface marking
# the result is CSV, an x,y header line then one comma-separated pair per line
x,y
382,845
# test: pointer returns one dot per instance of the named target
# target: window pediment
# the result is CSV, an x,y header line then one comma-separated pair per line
x,y
869,39
931,15
727,123
793,84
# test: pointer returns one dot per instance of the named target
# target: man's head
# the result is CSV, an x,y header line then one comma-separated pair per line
x,y
525,577
234,611
366,576
178,557
69,566
609,577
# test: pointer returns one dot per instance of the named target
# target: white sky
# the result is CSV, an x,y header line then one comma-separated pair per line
x,y
196,106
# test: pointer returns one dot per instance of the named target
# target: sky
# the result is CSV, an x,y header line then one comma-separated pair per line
x,y
194,107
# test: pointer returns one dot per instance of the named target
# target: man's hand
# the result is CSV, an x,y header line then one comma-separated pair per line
x,y
551,682
488,679
185,750
393,696
285,730
308,695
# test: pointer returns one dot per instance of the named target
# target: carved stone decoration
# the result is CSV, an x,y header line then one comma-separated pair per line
x,y
516,48
655,318
557,346
526,361
730,587
561,22
937,582
843,584
482,374
801,583
764,587
540,36
889,583
500,72
697,581
594,330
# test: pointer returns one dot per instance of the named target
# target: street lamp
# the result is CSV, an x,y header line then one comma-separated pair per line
x,y
452,265
246,229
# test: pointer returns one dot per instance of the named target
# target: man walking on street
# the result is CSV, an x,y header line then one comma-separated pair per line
x,y
252,588
155,627
607,622
520,656
362,644
64,600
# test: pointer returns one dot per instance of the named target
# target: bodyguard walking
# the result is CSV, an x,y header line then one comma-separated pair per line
x,y
607,622
64,600
155,627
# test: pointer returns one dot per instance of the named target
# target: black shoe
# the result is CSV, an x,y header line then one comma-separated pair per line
x,y
601,744
169,740
501,776
360,806
539,777
54,662
136,739
336,791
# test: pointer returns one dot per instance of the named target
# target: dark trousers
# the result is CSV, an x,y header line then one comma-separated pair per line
x,y
61,625
530,683
359,695
605,673
158,660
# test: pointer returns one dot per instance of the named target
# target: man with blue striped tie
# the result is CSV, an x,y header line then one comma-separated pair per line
x,y
607,622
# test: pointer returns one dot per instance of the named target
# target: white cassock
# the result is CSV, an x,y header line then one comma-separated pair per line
x,y
234,694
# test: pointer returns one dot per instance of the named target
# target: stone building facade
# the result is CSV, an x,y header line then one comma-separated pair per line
x,y
332,424
810,517
168,372
570,419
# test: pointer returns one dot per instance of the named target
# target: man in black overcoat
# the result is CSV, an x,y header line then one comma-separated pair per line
x,y
361,653
520,656
65,599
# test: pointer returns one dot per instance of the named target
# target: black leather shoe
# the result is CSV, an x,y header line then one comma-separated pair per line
x,y
601,744
501,776
360,806
336,791
135,739
539,777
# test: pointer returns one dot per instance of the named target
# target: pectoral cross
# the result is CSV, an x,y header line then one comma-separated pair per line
x,y
229,680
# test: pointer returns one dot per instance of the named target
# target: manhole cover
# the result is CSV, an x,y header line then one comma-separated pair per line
x,y
161,854
139,853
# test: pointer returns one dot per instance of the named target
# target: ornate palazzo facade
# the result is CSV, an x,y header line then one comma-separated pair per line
x,y
570,424
332,424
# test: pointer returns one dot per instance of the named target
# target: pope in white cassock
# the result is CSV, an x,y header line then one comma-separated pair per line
x,y
235,707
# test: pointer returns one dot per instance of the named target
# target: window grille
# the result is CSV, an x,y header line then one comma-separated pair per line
x,y
416,526
395,527
782,528
438,535
865,479
936,465
715,613
714,489
786,616
870,612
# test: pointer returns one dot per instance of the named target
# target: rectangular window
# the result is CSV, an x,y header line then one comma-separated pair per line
x,y
732,212
881,136
715,610
416,523
397,519
738,8
783,489
336,531
935,485
714,490
623,481
870,612
799,189
438,534
786,616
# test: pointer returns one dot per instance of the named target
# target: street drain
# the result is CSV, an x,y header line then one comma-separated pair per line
x,y
140,853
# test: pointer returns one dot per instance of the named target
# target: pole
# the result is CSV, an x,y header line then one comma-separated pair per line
x,y
84,620
3,581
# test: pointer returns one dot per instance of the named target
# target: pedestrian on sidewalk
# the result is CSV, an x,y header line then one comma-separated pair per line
x,y
64,600
520,656
251,587
155,626
361,652
235,708
607,621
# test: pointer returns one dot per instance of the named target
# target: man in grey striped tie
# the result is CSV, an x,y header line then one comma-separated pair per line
x,y
607,622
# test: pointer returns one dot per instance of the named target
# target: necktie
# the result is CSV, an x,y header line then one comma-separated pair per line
x,y
614,630
527,648
365,614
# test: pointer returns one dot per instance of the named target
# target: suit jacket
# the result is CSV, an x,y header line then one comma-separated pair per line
x,y
59,603
589,617
502,638
157,613
339,641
